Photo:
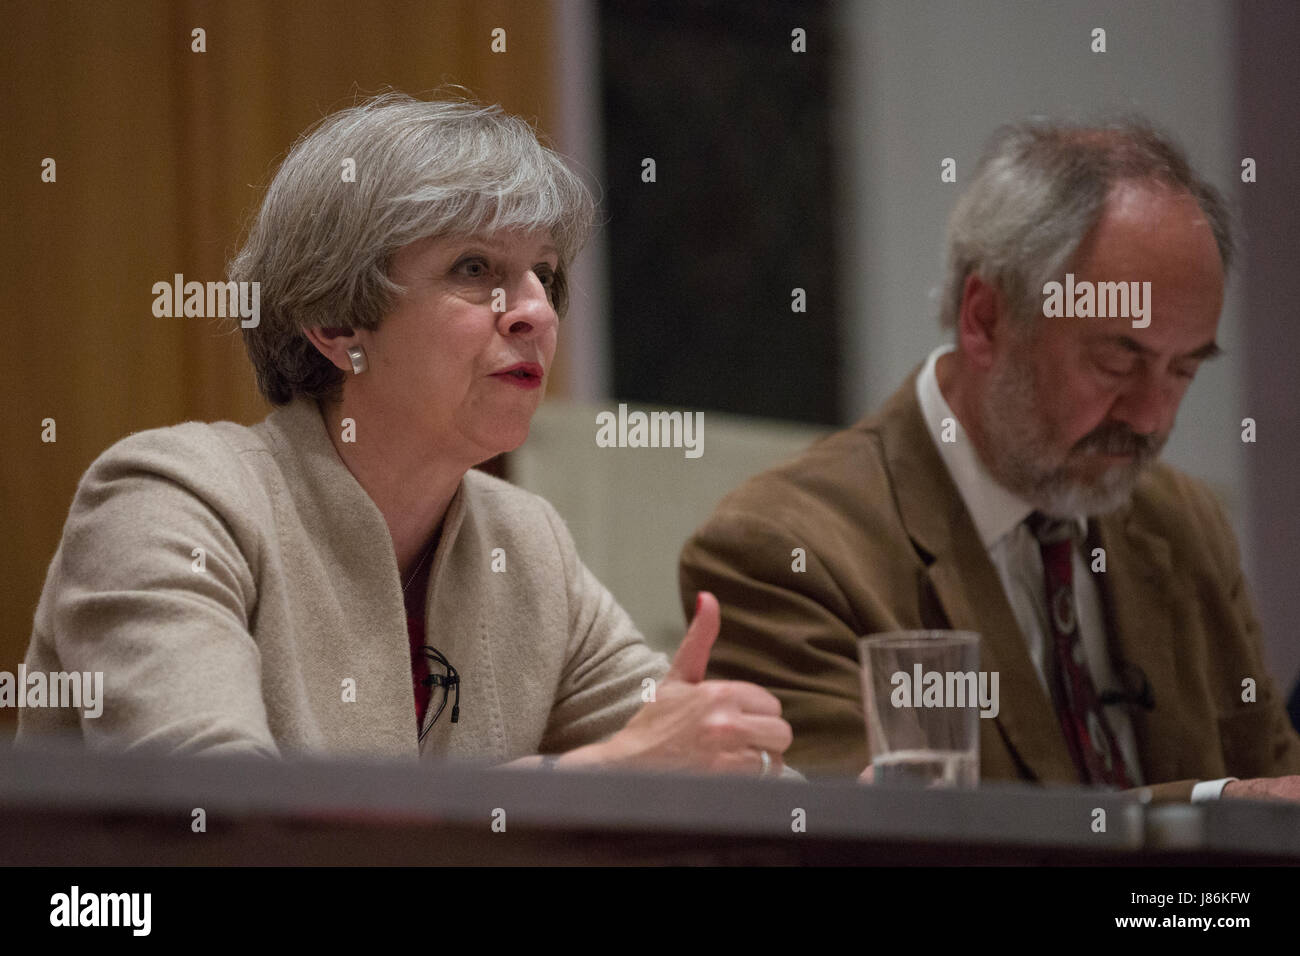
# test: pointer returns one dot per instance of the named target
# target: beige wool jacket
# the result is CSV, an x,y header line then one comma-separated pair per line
x,y
233,583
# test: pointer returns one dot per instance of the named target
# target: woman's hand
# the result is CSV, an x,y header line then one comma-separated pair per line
x,y
704,725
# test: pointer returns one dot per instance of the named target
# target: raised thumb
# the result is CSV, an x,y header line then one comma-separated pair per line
x,y
692,657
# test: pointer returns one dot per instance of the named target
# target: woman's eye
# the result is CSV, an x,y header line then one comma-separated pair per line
x,y
474,268
547,277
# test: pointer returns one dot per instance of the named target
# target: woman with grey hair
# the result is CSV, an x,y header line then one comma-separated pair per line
x,y
327,580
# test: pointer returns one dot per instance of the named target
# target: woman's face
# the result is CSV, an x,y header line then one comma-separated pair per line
x,y
464,354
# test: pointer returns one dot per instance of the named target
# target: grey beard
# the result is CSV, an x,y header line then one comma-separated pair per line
x,y
1020,448
1059,496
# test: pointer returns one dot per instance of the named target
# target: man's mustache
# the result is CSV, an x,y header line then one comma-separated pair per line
x,y
1116,438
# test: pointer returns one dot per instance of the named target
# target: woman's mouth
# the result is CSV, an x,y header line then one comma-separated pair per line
x,y
521,375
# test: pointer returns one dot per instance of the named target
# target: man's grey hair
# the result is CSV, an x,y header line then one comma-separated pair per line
x,y
1038,190
322,246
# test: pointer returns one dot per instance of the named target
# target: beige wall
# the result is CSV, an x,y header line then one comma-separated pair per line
x,y
630,510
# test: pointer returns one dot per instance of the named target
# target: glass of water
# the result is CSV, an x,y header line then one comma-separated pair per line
x,y
923,693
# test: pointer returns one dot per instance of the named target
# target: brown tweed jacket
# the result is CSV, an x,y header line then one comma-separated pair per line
x,y
889,545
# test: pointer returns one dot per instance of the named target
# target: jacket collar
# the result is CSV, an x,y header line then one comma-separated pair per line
x,y
966,584
338,514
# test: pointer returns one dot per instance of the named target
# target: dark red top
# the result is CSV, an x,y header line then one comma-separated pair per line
x,y
419,670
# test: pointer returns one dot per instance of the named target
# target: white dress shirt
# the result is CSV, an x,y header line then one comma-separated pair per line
x,y
999,516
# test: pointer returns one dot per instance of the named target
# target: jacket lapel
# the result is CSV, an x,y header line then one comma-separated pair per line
x,y
967,586
362,621
1139,593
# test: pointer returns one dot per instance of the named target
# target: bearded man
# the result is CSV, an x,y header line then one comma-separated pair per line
x,y
1011,487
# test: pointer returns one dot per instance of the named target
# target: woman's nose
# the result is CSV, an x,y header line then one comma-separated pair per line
x,y
529,309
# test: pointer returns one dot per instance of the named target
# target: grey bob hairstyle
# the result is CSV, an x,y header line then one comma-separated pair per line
x,y
366,181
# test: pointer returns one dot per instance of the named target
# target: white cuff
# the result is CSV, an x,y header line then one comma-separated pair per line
x,y
1210,789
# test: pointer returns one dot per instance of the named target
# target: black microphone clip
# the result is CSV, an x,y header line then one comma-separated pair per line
x,y
1137,689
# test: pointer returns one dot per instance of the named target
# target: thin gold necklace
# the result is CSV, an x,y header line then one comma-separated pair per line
x,y
424,557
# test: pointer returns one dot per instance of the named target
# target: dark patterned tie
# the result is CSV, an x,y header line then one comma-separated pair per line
x,y
1091,743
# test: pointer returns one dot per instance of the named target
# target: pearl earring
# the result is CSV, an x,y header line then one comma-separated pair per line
x,y
358,356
